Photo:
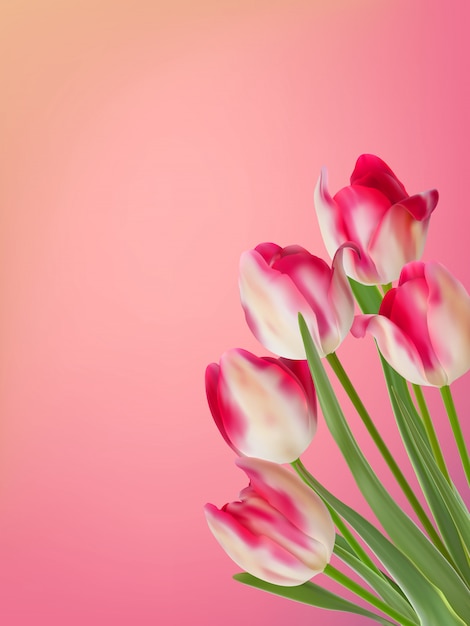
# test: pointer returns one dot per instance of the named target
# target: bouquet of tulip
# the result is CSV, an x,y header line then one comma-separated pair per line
x,y
287,525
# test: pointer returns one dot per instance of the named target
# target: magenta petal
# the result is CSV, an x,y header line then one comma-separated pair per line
x,y
288,494
409,313
448,320
421,205
398,239
340,295
363,209
298,370
396,348
371,171
423,326
259,555
269,251
301,370
311,276
376,213
266,411
212,381
411,271
329,215
271,302
360,325
387,303
279,530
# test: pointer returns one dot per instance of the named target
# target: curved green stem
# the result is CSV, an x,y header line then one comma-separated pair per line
x,y
366,595
454,422
430,431
382,447
386,287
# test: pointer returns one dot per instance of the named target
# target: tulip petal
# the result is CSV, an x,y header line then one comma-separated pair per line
x,y
265,409
448,320
289,495
401,234
371,171
329,216
271,303
340,297
312,277
409,312
410,271
258,516
269,251
301,370
212,381
395,346
257,554
398,239
421,205
362,208
376,213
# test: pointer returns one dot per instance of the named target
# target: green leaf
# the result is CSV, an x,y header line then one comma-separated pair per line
x,y
312,594
428,600
400,528
449,512
455,538
378,583
368,297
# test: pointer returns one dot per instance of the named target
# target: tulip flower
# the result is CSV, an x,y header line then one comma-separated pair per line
x,y
377,214
276,284
263,407
279,531
423,325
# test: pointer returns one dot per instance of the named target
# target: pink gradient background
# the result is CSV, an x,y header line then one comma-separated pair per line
x,y
143,147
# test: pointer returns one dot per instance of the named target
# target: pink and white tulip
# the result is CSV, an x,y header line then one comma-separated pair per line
x,y
423,325
279,531
377,214
278,283
263,407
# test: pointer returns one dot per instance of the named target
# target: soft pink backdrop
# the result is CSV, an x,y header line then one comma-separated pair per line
x,y
143,147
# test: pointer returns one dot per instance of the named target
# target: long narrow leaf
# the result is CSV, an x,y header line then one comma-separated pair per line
x,y
312,594
452,517
369,298
430,604
401,529
375,581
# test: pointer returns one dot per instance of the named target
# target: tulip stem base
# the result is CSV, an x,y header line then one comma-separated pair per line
x,y
430,431
455,424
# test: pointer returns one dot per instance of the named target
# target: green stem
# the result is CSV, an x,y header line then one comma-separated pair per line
x,y
454,422
369,597
430,431
382,447
386,287
339,523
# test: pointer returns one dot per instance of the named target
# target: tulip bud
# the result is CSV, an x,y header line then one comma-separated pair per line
x,y
263,407
377,214
279,531
423,325
276,284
